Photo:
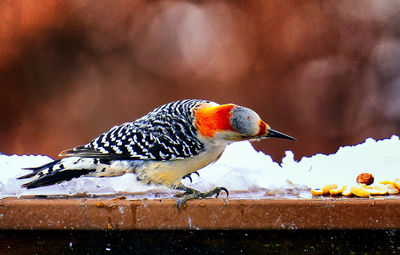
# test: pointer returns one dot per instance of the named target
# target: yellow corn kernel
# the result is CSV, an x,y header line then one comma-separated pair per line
x,y
338,191
316,192
347,191
327,188
366,186
360,191
397,183
390,186
392,190
379,189
386,182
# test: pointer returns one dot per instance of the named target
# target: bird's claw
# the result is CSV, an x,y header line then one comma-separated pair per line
x,y
193,194
190,178
222,189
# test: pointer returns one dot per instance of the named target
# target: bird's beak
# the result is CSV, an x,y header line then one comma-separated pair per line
x,y
276,134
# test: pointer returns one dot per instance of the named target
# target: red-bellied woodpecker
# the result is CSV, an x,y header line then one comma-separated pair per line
x,y
162,147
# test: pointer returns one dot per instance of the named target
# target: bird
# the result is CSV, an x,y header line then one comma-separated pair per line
x,y
162,147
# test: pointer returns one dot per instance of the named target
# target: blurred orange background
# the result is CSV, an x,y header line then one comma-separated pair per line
x,y
325,72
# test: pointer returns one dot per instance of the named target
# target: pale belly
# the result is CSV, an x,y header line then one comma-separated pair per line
x,y
170,172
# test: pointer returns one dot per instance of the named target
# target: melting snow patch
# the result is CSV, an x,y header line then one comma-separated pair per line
x,y
241,168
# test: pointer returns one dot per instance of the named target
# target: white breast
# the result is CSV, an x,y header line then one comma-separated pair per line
x,y
170,172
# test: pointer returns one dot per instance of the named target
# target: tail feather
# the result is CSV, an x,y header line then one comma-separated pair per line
x,y
27,176
72,167
57,171
36,169
57,177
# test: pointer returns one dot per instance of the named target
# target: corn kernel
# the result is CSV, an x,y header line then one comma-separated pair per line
x,y
360,191
316,192
327,188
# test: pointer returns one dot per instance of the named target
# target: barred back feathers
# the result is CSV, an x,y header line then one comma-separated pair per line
x,y
162,134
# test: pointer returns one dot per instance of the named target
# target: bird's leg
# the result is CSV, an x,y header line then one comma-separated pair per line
x,y
193,194
187,190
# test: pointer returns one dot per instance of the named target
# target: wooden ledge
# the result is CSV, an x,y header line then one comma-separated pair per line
x,y
206,214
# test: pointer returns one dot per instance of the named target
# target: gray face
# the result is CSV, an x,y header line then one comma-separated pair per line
x,y
245,121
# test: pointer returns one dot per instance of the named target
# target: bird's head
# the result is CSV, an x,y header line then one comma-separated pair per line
x,y
232,123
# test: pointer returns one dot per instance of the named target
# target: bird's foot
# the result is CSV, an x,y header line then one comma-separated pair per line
x,y
194,194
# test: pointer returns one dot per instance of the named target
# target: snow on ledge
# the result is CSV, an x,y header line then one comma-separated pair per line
x,y
241,168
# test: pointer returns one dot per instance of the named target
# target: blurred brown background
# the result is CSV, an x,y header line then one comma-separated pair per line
x,y
326,72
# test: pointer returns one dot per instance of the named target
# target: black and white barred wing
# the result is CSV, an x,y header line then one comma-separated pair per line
x,y
163,134
132,141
